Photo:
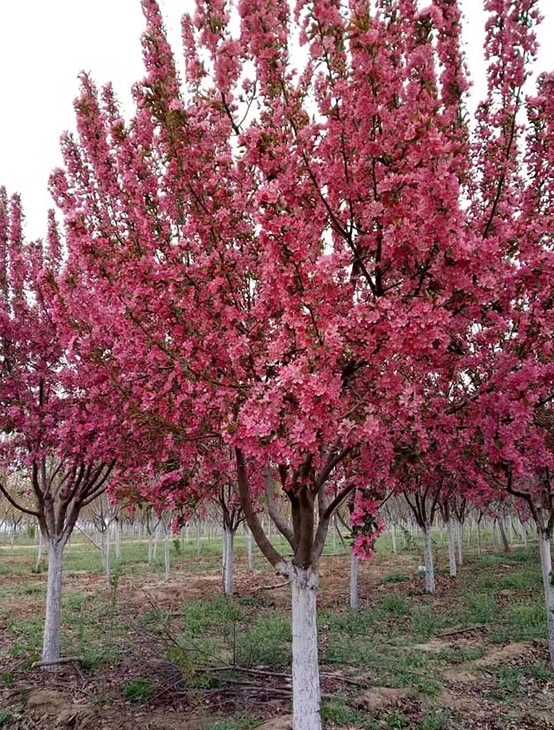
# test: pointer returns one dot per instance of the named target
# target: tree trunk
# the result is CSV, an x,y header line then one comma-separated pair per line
x,y
546,565
428,559
52,622
504,536
40,545
479,547
250,549
393,538
198,543
306,693
108,555
117,528
452,566
460,541
167,556
354,582
228,562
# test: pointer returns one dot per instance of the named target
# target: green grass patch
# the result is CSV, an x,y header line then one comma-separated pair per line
x,y
138,690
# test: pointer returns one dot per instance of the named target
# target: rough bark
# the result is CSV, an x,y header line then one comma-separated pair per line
x,y
305,663
460,541
53,618
503,535
452,565
117,528
228,562
40,546
545,547
428,560
250,550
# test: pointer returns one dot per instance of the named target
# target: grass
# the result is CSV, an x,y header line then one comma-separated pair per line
x,y
5,718
138,690
500,593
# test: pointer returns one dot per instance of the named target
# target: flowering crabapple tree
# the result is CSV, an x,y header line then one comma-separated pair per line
x,y
281,256
48,434
509,419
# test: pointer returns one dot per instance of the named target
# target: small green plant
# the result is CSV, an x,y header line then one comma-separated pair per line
x,y
339,713
7,679
138,690
394,605
435,721
482,608
425,623
5,718
267,642
541,672
510,680
397,721
202,616
238,723
396,578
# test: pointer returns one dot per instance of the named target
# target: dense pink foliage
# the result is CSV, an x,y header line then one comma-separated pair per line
x,y
320,268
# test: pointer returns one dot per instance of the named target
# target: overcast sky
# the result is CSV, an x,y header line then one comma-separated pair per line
x,y
45,43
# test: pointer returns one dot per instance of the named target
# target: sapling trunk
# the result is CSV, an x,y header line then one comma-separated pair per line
x,y
167,555
228,562
428,560
545,548
53,617
460,541
39,550
117,528
250,549
306,693
354,581
198,543
107,554
452,565
504,536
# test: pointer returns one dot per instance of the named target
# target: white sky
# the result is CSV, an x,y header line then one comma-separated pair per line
x,y
45,43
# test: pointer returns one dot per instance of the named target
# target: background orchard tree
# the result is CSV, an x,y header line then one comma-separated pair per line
x,y
52,463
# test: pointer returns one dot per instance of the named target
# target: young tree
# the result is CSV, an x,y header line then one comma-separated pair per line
x,y
281,260
49,439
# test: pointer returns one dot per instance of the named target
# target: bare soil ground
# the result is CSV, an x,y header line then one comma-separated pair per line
x,y
165,655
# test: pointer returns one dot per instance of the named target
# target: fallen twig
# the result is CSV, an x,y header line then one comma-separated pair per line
x,y
61,660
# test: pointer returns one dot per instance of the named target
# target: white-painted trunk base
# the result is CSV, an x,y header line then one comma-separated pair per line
x,y
428,560
167,554
53,618
228,562
545,547
452,566
460,541
306,692
354,582
250,551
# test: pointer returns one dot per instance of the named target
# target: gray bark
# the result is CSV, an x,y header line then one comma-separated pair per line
x,y
53,618
306,693
428,560
354,582
452,565
545,547
228,562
